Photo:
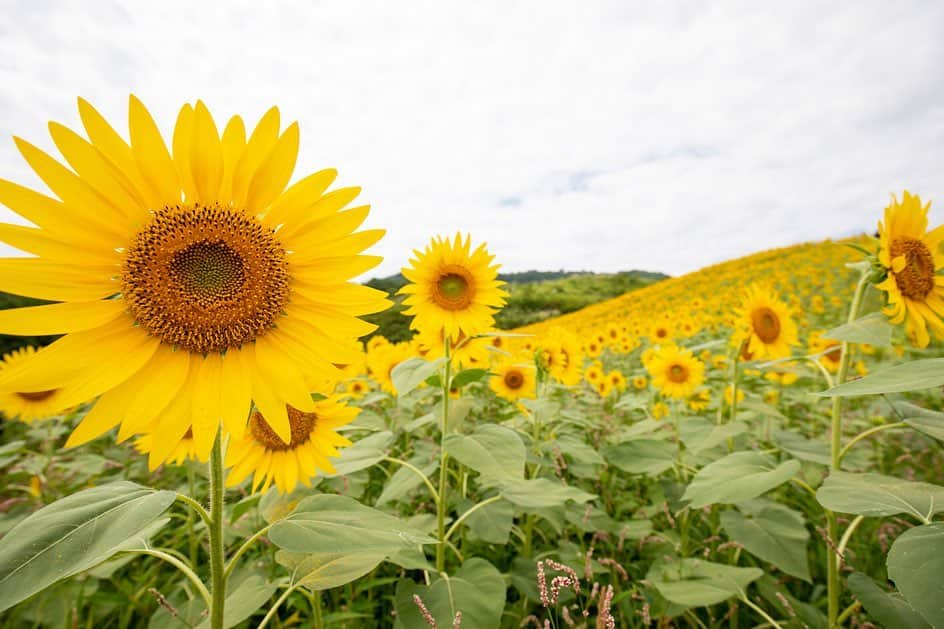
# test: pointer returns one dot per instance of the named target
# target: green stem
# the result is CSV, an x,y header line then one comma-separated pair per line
x,y
848,612
867,433
418,472
196,506
441,504
473,509
180,565
841,548
756,608
275,606
833,584
242,550
217,570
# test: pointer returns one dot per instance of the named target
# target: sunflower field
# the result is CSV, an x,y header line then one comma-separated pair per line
x,y
209,442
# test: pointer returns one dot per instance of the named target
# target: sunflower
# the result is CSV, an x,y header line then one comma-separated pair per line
x,y
513,379
766,329
452,288
603,388
26,405
676,372
593,373
700,400
260,451
912,257
640,382
729,395
184,450
617,380
469,353
560,356
192,283
382,359
660,410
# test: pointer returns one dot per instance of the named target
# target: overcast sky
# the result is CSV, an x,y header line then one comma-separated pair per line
x,y
578,135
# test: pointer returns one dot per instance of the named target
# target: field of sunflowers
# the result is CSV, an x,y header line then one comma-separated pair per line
x,y
210,442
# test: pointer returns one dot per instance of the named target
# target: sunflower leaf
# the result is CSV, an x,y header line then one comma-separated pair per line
x,y
872,329
411,373
916,375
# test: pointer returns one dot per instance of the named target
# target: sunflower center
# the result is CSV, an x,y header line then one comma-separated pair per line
x,y
454,290
302,424
205,278
677,373
766,324
36,396
514,379
916,280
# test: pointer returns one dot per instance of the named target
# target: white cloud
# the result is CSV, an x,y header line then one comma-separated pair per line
x,y
601,136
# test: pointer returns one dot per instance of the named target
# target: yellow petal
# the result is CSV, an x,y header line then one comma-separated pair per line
x,y
150,153
206,155
59,318
274,173
237,396
182,143
43,279
174,423
207,402
233,143
263,138
349,245
328,228
323,207
43,243
290,205
107,140
155,387
105,415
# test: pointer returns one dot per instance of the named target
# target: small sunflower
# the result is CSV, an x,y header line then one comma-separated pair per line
x,y
26,406
676,372
382,359
593,373
185,449
452,288
912,257
560,356
260,451
700,400
640,382
830,350
192,281
766,328
603,388
617,380
513,379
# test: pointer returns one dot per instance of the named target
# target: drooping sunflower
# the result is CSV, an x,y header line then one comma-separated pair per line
x,y
675,372
453,288
26,406
912,256
765,327
260,451
192,282
513,379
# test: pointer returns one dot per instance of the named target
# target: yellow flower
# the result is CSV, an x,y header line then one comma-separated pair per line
x,y
676,372
356,388
26,405
192,282
912,256
452,288
617,380
560,356
660,410
264,454
603,388
771,396
831,350
700,400
729,395
640,382
765,325
593,373
382,359
513,379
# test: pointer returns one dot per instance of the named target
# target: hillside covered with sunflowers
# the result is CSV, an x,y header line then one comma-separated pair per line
x,y
210,441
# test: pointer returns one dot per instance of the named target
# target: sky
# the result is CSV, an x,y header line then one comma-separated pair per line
x,y
599,136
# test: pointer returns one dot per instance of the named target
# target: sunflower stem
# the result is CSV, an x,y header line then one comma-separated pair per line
x,y
217,569
441,505
833,586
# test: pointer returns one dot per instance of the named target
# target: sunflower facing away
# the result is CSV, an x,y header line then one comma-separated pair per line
x,y
912,256
676,372
452,288
264,454
26,405
766,329
191,281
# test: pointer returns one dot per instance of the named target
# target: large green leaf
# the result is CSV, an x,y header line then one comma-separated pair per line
x,y
916,563
737,477
879,495
917,375
363,454
642,456
771,531
699,434
74,534
542,492
477,590
405,480
329,570
412,372
326,524
924,419
492,523
697,583
873,329
803,448
891,610
495,452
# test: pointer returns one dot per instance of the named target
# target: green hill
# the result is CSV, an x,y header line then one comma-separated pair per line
x,y
534,296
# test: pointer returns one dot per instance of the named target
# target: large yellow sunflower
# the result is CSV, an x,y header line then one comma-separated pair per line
x,y
192,282
675,372
260,451
452,288
766,329
912,255
26,405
